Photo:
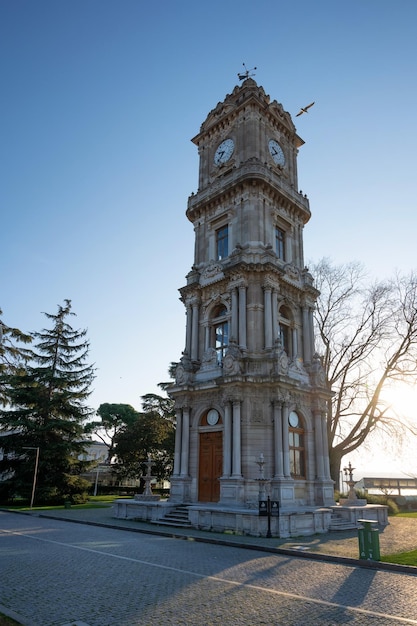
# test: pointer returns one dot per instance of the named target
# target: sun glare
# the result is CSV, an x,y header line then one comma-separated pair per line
x,y
403,400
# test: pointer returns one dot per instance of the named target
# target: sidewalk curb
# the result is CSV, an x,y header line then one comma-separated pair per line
x,y
22,621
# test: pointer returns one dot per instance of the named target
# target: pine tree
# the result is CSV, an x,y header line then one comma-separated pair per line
x,y
12,354
46,410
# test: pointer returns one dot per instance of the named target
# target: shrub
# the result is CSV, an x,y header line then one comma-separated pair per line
x,y
79,498
380,499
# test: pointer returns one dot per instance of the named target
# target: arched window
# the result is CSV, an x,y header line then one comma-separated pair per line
x,y
284,321
222,242
296,445
220,332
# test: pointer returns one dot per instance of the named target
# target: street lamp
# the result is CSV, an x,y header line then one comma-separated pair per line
x,y
35,473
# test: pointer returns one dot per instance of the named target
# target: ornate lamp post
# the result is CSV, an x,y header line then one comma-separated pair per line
x,y
266,506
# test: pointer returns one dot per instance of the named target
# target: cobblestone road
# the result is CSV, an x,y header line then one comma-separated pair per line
x,y
55,573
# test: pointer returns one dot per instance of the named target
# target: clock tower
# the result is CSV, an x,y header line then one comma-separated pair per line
x,y
250,392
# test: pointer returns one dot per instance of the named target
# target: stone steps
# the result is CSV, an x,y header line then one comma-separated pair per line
x,y
338,523
176,517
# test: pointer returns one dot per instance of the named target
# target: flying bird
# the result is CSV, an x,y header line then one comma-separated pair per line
x,y
304,109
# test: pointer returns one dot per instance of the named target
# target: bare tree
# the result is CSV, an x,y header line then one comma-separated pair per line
x,y
367,334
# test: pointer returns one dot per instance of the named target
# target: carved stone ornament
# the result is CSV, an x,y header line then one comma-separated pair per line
x,y
179,374
292,272
257,412
183,375
317,372
212,273
284,397
209,359
282,361
231,365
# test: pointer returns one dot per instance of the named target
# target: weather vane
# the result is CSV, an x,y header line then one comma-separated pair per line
x,y
247,73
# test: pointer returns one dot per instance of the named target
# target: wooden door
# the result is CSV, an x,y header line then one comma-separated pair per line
x,y
210,466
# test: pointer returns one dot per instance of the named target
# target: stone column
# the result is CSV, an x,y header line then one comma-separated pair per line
x,y
185,441
275,325
294,339
306,336
207,330
289,245
234,331
278,455
227,442
236,456
318,439
242,316
285,441
300,245
326,460
178,437
188,330
194,336
311,331
268,316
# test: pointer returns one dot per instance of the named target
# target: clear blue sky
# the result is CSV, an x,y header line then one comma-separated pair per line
x,y
100,99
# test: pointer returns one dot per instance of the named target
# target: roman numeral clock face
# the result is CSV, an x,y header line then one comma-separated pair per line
x,y
276,152
224,151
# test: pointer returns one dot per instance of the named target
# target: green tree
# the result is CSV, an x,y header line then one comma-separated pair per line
x,y
46,409
13,356
151,433
367,334
163,406
114,417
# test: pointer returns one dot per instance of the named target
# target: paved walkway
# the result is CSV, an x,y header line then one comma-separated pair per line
x,y
62,573
399,536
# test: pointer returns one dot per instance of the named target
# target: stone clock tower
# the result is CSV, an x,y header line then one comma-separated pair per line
x,y
250,392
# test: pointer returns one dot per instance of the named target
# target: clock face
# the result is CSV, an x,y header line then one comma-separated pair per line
x,y
224,151
276,152
293,419
212,417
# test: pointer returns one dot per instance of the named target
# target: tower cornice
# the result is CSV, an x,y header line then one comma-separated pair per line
x,y
249,174
247,96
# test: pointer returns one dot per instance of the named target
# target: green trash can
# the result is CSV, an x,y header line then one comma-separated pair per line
x,y
67,505
368,538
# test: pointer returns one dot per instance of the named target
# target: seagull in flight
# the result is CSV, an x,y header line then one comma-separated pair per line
x,y
304,109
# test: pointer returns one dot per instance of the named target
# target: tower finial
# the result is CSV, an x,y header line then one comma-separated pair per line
x,y
246,74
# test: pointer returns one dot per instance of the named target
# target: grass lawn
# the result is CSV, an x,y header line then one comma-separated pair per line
x,y
94,502
7,621
402,558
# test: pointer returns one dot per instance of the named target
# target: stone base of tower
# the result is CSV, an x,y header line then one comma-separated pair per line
x,y
180,491
219,518
293,494
291,523
231,491
324,493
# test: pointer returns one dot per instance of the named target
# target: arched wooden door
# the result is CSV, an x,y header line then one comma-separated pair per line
x,y
210,466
